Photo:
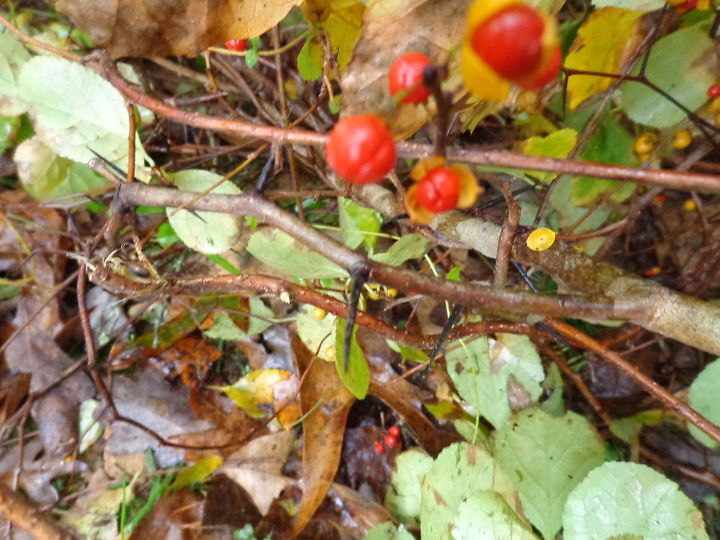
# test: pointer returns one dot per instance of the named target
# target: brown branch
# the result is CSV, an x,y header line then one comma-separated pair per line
x,y
23,514
670,179
489,298
660,393
258,284
22,36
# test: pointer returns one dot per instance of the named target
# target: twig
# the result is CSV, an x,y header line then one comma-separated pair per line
x,y
660,393
23,514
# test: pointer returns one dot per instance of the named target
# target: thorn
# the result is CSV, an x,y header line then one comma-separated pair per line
x,y
359,274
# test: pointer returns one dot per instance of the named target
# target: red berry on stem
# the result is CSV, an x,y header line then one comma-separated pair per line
x,y
236,44
406,75
390,441
361,149
713,91
510,41
394,431
378,447
439,190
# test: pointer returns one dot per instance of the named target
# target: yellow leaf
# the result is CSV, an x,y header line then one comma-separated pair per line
x,y
197,472
605,42
255,389
342,20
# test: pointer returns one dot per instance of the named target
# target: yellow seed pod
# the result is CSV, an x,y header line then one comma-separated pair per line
x,y
675,2
682,139
540,239
391,293
645,143
329,353
372,295
319,313
689,205
714,106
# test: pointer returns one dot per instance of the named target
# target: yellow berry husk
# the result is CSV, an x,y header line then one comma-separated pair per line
x,y
675,2
372,295
392,293
540,239
645,143
682,139
714,107
319,313
689,205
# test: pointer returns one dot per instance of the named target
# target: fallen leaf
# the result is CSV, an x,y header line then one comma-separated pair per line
x,y
146,28
176,516
325,403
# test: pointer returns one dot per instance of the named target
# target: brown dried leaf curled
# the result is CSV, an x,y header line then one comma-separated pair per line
x,y
146,28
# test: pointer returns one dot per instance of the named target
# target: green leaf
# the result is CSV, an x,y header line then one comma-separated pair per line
x,y
206,232
410,246
388,531
628,429
356,220
403,496
556,145
486,515
565,213
318,335
703,398
197,472
627,498
460,470
9,126
679,64
408,353
310,59
490,374
637,5
12,57
46,175
283,253
357,376
74,110
609,143
225,329
546,457
555,404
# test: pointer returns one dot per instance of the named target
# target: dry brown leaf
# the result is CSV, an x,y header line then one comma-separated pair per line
x,y
176,516
390,29
147,28
326,403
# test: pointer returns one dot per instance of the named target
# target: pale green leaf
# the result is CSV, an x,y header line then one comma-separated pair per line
x,y
485,515
628,429
75,110
628,498
410,246
496,376
356,377
12,57
356,220
403,496
206,232
554,405
89,429
556,145
638,5
460,470
679,65
225,329
46,175
546,457
388,531
703,398
285,254
318,335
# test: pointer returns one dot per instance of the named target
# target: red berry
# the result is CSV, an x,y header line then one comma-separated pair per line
x,y
391,441
406,75
713,91
378,447
394,431
361,149
439,190
547,75
686,6
236,44
510,41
